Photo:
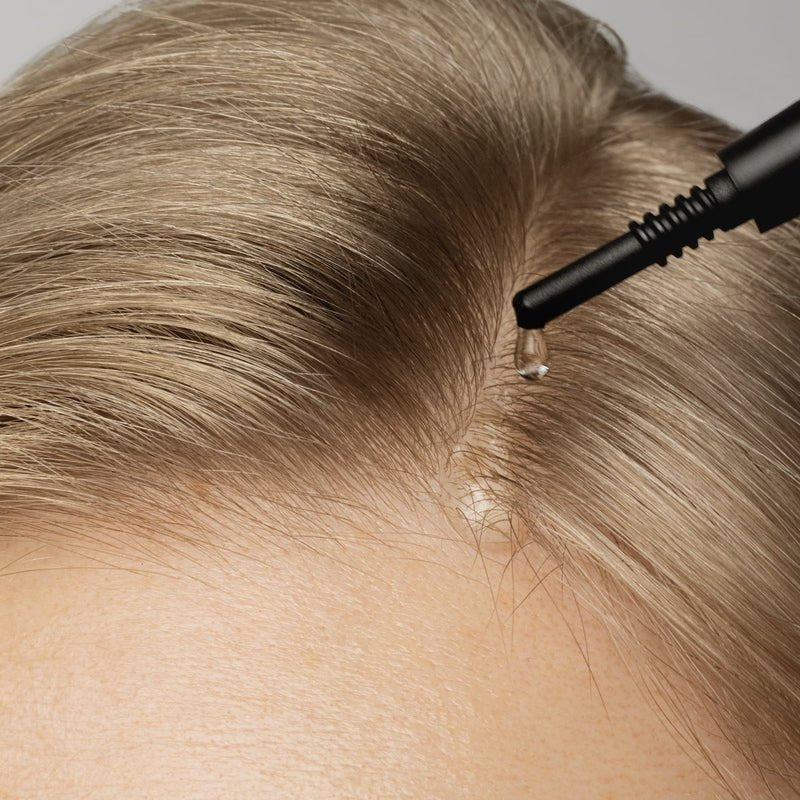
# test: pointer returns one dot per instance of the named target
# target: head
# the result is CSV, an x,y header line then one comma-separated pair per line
x,y
280,518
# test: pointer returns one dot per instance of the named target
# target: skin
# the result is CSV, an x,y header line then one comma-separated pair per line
x,y
364,668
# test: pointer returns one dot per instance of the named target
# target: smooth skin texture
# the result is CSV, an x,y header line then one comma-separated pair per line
x,y
399,667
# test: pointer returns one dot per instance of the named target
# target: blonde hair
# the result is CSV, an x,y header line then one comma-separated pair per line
x,y
251,243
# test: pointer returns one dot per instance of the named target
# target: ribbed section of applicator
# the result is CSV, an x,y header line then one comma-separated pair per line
x,y
677,226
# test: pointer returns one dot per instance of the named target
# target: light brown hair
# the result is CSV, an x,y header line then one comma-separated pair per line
x,y
270,247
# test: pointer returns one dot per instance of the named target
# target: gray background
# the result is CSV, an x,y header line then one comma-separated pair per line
x,y
738,59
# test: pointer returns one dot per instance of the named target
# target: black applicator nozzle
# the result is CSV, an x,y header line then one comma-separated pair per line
x,y
760,181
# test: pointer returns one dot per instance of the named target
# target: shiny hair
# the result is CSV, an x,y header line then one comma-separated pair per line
x,y
268,248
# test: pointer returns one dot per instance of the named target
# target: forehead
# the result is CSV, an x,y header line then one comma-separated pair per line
x,y
406,668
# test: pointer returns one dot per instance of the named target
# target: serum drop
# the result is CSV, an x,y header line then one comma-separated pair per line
x,y
530,357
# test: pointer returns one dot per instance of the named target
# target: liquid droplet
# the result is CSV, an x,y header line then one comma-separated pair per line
x,y
531,357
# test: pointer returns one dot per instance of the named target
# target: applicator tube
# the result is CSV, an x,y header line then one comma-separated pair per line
x,y
760,181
